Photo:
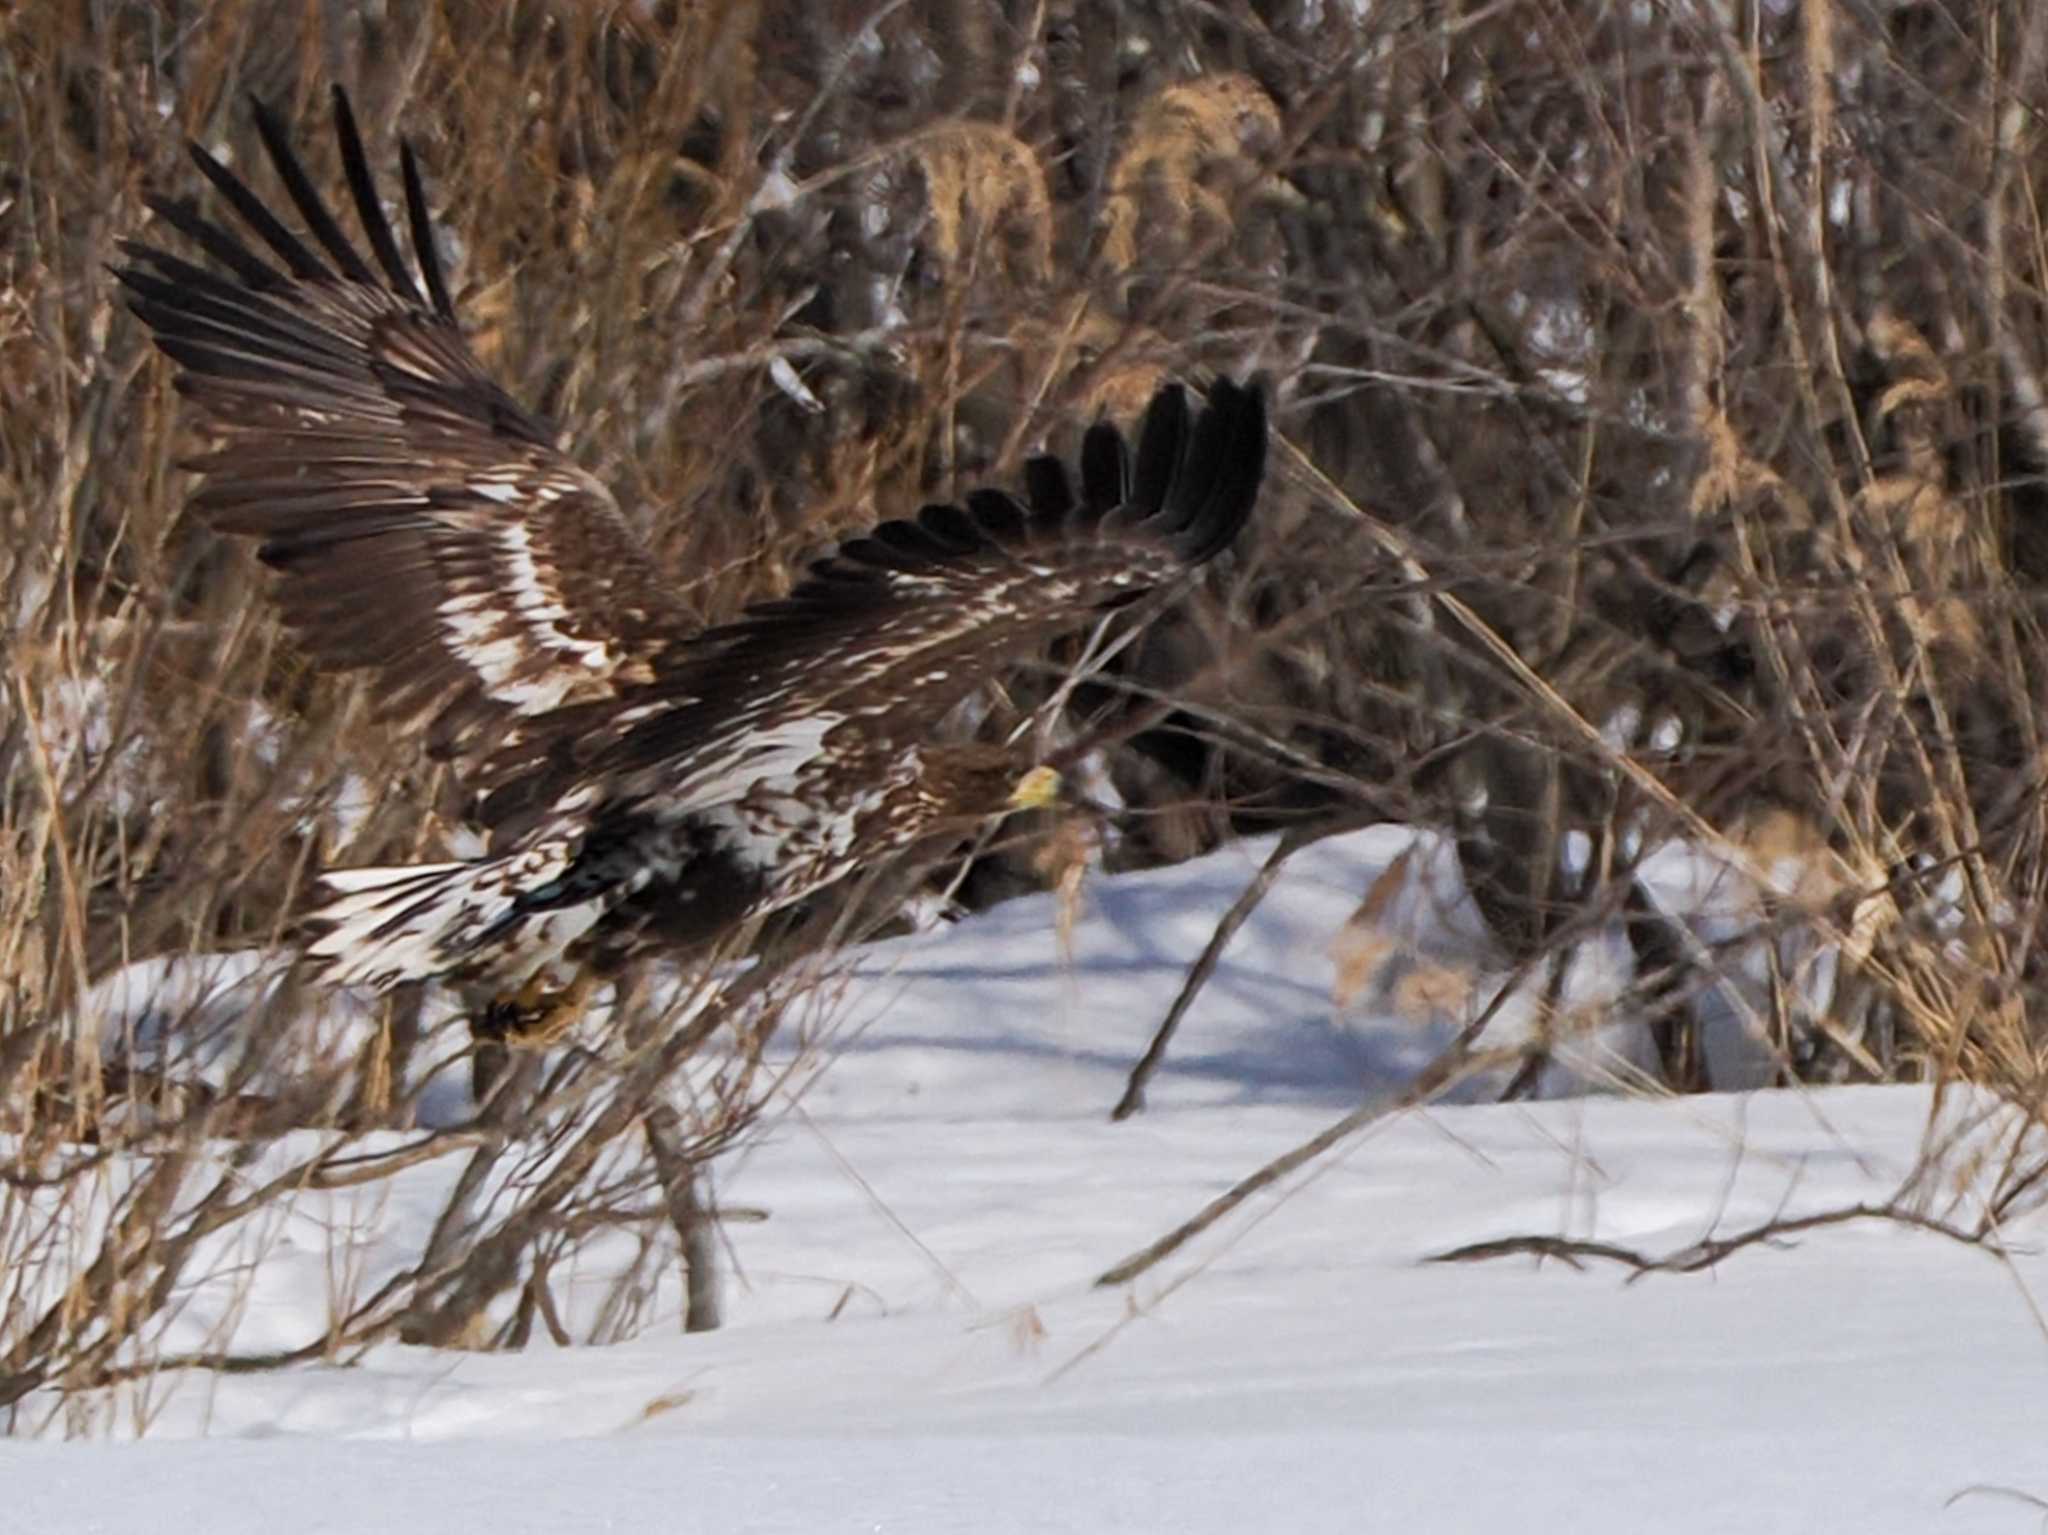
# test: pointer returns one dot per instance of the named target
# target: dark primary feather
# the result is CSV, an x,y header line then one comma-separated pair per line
x,y
422,521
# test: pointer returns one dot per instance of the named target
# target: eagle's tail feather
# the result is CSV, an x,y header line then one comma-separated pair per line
x,y
413,922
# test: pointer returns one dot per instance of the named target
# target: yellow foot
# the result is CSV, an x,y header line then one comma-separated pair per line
x,y
534,1018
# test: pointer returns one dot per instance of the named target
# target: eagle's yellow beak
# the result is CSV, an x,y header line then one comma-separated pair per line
x,y
1038,789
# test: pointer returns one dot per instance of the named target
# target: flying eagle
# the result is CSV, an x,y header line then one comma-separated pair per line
x,y
648,784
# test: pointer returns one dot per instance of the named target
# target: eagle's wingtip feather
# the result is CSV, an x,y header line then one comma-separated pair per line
x,y
1220,471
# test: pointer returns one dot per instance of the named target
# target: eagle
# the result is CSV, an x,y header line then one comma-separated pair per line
x,y
648,785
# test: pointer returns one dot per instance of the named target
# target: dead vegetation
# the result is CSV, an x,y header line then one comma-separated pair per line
x,y
1664,451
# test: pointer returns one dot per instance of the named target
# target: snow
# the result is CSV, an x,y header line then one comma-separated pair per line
x,y
914,1341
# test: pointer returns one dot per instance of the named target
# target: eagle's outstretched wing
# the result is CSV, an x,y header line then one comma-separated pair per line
x,y
423,522
898,626
771,757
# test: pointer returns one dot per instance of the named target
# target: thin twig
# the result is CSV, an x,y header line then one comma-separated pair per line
x,y
1704,1254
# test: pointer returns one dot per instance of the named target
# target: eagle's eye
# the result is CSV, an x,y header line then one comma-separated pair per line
x,y
1038,789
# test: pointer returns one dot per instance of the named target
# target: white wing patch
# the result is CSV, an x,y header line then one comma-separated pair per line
x,y
497,631
804,841
770,762
913,585
415,922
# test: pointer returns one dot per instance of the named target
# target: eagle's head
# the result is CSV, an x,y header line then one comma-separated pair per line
x,y
1040,789
974,782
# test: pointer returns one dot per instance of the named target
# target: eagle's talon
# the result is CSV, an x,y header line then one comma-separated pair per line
x,y
498,1022
534,1018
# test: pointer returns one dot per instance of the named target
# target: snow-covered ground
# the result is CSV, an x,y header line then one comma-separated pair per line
x,y
914,1341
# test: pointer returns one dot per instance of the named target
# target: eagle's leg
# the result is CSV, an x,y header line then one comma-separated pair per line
x,y
555,1014
532,1018
523,1003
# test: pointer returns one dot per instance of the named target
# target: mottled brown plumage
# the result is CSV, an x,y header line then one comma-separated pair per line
x,y
423,522
647,786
